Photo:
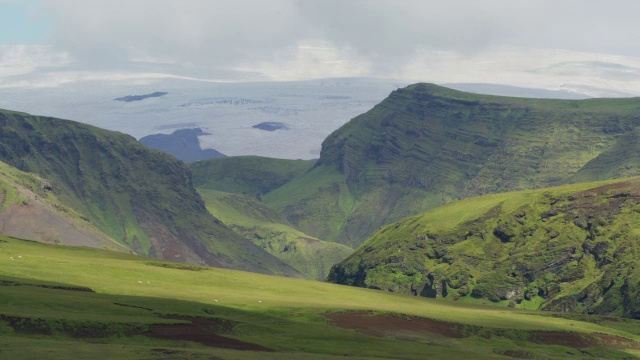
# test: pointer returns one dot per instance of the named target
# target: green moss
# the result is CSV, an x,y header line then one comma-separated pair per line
x,y
268,229
569,248
533,304
250,175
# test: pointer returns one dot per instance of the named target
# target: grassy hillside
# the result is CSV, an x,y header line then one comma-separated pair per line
x,y
251,175
572,248
55,305
141,198
620,160
425,146
250,218
29,210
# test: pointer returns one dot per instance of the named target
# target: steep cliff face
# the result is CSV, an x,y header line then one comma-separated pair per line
x,y
425,146
141,198
573,248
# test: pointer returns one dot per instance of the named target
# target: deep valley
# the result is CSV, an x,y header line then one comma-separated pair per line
x,y
438,224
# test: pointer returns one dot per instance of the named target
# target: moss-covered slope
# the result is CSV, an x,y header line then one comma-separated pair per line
x,y
251,175
425,146
139,197
250,218
622,159
573,248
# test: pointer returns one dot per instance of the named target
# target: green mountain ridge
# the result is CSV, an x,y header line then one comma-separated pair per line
x,y
572,248
141,198
425,146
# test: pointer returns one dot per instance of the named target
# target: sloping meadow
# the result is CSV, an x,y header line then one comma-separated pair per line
x,y
56,304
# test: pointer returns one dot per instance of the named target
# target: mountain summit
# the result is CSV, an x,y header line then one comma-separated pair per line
x,y
425,146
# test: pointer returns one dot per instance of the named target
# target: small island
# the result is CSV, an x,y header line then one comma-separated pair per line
x,y
271,126
183,144
130,98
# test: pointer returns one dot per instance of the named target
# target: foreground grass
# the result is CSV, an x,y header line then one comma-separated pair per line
x,y
279,313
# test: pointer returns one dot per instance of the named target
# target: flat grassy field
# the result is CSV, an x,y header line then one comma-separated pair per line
x,y
69,302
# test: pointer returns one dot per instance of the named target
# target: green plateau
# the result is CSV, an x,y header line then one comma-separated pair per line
x,y
75,302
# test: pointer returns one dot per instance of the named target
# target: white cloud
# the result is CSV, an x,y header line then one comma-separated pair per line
x,y
211,33
311,60
200,32
300,39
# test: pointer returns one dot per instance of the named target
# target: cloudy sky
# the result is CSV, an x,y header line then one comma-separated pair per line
x,y
297,39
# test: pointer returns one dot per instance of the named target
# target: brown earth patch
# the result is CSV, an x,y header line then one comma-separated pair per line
x,y
200,330
39,221
578,340
75,329
203,331
602,190
390,324
379,325
45,286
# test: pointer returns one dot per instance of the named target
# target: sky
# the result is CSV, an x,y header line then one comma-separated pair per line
x,y
17,26
292,39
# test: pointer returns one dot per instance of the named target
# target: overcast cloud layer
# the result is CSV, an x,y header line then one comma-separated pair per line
x,y
353,38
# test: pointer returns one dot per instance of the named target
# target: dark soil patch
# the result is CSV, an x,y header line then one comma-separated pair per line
x,y
203,331
177,266
516,353
26,326
382,324
132,306
75,329
390,324
601,190
45,286
578,340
